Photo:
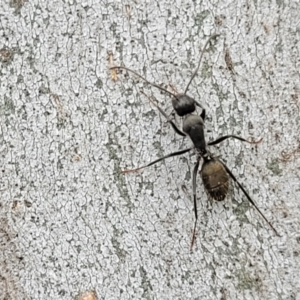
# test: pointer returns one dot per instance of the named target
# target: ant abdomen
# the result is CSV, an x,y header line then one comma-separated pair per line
x,y
215,179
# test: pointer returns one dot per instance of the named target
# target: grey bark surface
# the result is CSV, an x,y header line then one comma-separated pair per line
x,y
71,223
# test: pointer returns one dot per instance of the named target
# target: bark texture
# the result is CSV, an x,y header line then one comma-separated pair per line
x,y
72,224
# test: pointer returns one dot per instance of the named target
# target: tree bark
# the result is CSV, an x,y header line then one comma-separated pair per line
x,y
72,224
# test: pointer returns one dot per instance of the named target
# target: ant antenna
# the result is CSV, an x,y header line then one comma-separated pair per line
x,y
140,76
212,37
163,89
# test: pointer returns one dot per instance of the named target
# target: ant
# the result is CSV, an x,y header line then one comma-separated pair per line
x,y
214,172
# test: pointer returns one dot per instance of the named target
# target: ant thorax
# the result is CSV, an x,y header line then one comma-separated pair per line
x,y
193,126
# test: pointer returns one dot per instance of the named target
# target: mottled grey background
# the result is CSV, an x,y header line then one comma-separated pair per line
x,y
70,223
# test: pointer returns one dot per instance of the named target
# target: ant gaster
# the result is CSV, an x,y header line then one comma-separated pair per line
x,y
214,172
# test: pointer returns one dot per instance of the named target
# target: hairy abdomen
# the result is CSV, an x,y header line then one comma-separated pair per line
x,y
215,179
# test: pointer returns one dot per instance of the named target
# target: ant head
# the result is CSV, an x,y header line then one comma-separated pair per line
x,y
183,104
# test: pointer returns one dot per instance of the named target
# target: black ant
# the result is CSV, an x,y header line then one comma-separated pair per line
x,y
214,171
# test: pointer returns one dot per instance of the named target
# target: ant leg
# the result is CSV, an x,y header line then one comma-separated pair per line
x,y
176,129
249,198
195,200
198,104
202,115
222,138
158,160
